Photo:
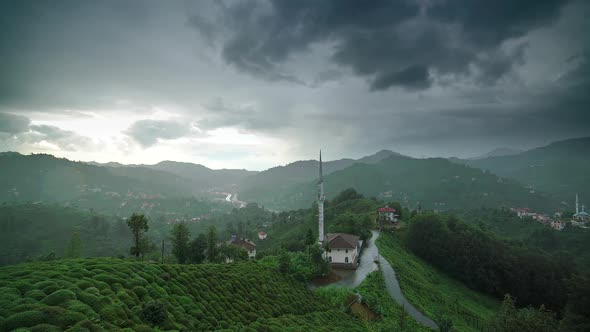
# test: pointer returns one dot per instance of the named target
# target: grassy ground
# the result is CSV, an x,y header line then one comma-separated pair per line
x,y
434,293
109,295
392,315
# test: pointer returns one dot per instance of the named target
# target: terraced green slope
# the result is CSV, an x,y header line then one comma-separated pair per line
x,y
434,293
108,294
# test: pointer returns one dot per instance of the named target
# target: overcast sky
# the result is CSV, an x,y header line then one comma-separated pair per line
x,y
254,84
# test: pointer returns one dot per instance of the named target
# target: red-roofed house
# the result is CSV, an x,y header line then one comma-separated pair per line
x,y
387,213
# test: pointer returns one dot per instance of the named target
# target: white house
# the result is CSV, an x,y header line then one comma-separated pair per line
x,y
343,250
248,245
387,213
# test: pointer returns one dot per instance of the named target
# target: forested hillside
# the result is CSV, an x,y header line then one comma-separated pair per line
x,y
434,183
46,178
201,177
560,168
40,231
28,231
284,178
487,263
110,294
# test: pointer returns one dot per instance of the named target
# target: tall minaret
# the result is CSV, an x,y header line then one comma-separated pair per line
x,y
321,199
577,205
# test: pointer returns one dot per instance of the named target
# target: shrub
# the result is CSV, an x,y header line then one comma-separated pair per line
x,y
59,297
83,308
35,294
93,290
140,291
22,286
23,319
89,299
112,313
142,328
84,284
154,313
61,317
46,328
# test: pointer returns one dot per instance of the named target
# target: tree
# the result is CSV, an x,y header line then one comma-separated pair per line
x,y
309,238
284,262
75,246
138,224
212,251
319,265
180,236
510,319
197,249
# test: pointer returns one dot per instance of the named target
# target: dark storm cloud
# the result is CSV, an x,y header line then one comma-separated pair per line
x,y
13,124
392,43
147,132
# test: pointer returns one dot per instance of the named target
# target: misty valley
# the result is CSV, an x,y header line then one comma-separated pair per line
x,y
178,246
294,166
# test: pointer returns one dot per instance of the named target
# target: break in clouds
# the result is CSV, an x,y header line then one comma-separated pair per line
x,y
277,80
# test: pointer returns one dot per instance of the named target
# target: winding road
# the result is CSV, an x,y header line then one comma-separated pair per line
x,y
353,278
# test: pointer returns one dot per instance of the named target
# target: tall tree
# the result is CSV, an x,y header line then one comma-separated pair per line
x,y
284,262
138,224
309,238
180,236
212,244
197,249
75,246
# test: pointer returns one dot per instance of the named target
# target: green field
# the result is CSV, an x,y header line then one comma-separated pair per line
x,y
434,293
393,316
113,294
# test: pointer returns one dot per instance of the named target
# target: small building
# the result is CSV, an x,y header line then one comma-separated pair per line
x,y
388,214
557,224
580,216
262,235
522,212
248,245
343,250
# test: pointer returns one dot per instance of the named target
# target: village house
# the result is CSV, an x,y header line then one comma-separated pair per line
x,y
248,245
343,250
388,214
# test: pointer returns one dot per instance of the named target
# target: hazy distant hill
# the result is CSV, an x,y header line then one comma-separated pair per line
x,y
200,177
277,179
437,183
561,168
499,152
43,177
201,174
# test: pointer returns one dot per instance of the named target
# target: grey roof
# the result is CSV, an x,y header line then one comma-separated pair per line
x,y
341,241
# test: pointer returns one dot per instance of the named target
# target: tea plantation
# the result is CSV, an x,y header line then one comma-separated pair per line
x,y
122,295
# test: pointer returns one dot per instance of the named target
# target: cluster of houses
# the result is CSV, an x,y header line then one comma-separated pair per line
x,y
580,218
539,217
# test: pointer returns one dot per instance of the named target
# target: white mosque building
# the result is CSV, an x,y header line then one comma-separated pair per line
x,y
341,250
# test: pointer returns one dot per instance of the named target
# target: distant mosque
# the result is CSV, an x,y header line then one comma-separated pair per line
x,y
581,215
341,250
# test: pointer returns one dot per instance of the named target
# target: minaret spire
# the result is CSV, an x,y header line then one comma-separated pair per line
x,y
321,172
577,205
321,199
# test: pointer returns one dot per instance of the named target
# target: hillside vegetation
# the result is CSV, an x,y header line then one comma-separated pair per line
x,y
560,168
28,231
434,293
112,294
435,183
